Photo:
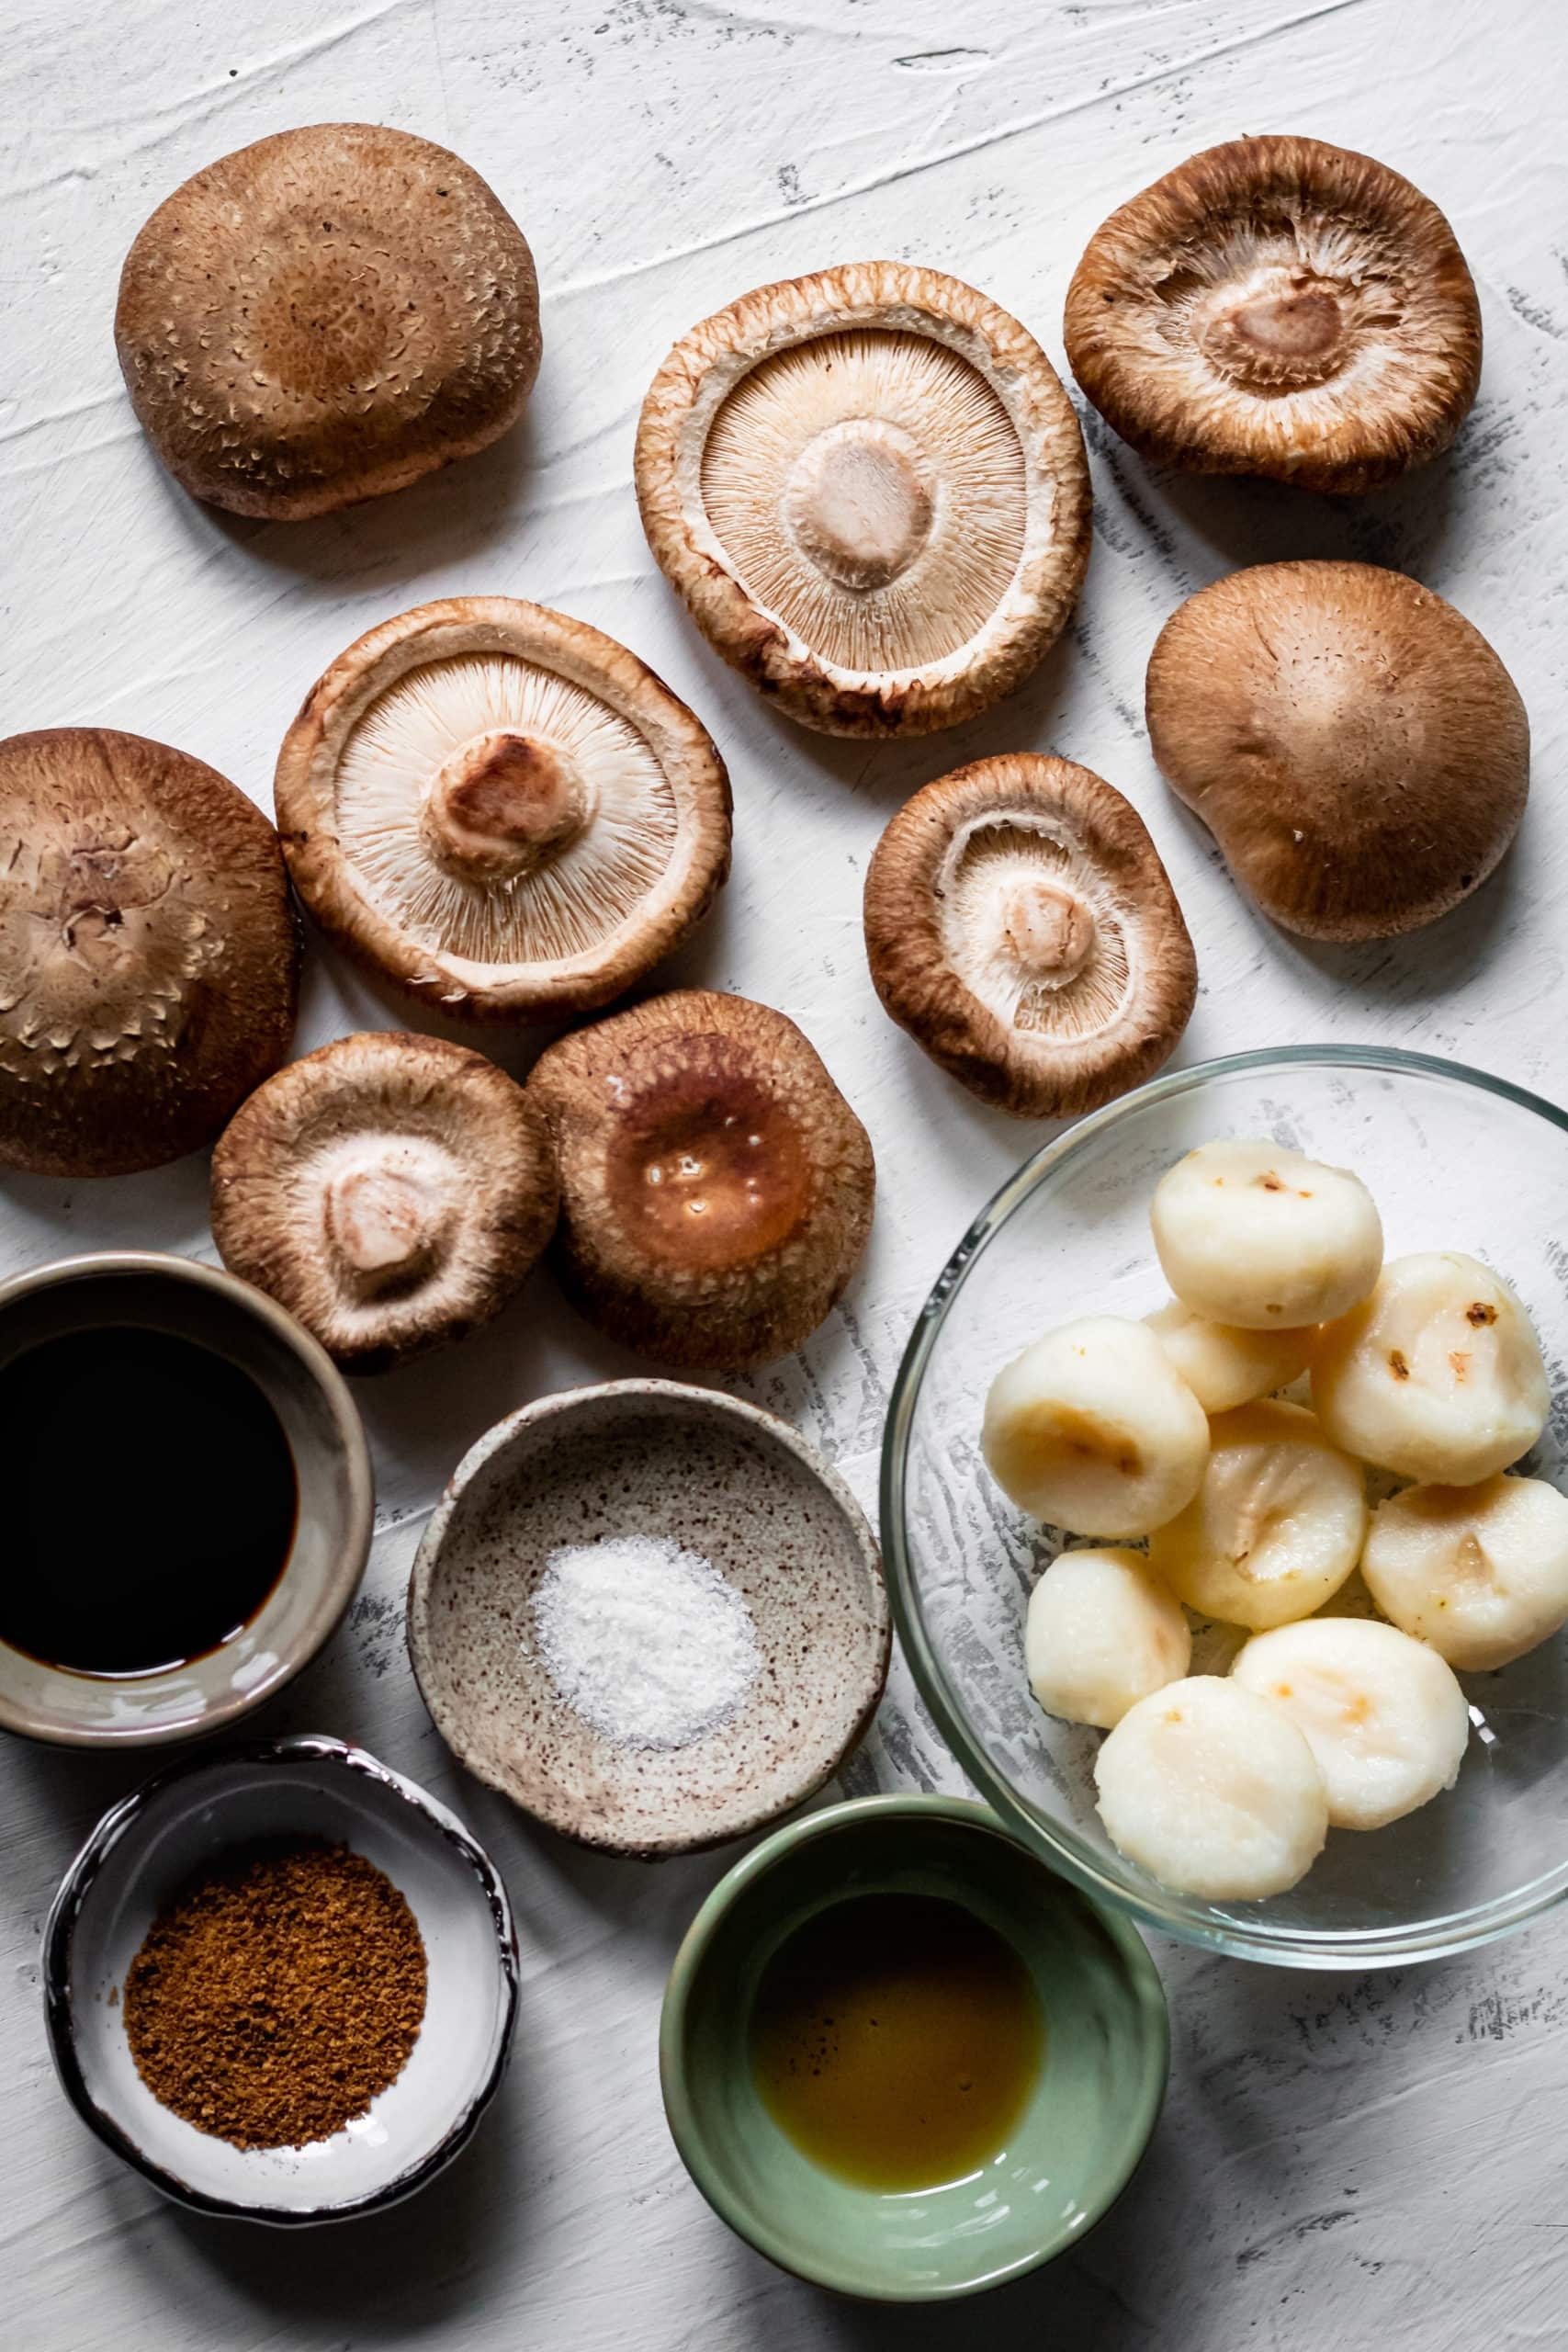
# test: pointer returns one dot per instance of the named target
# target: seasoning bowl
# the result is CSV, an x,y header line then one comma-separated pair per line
x,y
649,1459
1078,2138
143,1850
333,1524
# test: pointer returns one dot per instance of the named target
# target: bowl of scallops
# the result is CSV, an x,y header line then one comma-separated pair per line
x,y
1226,1504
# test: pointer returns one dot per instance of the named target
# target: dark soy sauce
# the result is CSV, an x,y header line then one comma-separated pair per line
x,y
148,1500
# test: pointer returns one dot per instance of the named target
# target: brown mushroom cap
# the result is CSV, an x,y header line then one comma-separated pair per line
x,y
323,316
1355,748
390,1191
149,951
871,490
715,1186
1020,926
1275,306
501,810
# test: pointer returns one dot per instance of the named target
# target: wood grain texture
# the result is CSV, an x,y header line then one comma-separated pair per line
x,y
1355,2165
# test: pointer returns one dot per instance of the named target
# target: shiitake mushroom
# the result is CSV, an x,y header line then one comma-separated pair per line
x,y
149,953
390,1191
869,488
1354,745
325,316
501,810
1278,306
717,1188
1020,926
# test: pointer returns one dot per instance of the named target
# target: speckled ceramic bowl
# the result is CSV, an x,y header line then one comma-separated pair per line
x,y
649,1457
137,1855
331,1462
1071,2151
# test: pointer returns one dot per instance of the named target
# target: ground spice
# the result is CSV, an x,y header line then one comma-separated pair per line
x,y
278,1993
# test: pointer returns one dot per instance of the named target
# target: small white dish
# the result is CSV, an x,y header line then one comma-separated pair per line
x,y
140,1852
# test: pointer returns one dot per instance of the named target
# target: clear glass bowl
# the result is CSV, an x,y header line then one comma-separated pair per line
x,y
1455,1159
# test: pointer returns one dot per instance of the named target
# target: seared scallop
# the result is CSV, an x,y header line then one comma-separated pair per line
x,y
1276,306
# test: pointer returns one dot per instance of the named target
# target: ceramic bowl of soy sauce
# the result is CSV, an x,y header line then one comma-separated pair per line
x,y
902,2058
188,1499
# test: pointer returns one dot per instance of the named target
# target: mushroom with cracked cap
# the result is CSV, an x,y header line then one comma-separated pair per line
x,y
325,316
869,488
149,951
1020,926
390,1191
1278,306
716,1187
501,810
1355,748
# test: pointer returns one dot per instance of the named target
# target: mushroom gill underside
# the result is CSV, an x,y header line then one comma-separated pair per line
x,y
1033,931
870,489
502,816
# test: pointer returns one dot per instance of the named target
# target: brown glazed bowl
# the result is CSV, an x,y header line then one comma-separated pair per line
x,y
332,1529
740,1489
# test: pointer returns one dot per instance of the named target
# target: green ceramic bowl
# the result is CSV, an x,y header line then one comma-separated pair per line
x,y
1073,2150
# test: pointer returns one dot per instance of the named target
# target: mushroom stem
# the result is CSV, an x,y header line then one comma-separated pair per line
x,y
385,1228
1286,331
501,804
859,502
1049,931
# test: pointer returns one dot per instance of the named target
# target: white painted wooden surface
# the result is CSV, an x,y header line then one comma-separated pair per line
x,y
1347,2165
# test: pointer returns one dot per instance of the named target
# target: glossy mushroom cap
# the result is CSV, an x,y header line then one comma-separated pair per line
x,y
501,810
149,953
390,1191
715,1186
869,488
325,315
1020,926
1355,748
1275,306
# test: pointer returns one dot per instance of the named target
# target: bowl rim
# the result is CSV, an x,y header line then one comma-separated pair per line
x,y
681,2110
563,1404
340,1585
75,1892
1425,1940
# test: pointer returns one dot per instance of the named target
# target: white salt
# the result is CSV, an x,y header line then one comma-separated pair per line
x,y
644,1639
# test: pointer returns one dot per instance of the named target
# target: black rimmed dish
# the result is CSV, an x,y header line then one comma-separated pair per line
x,y
311,1787
321,1562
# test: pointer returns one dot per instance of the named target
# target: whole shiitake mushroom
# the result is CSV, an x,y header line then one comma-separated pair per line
x,y
1020,926
149,951
1278,306
390,1191
1355,748
501,810
716,1187
325,316
869,488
